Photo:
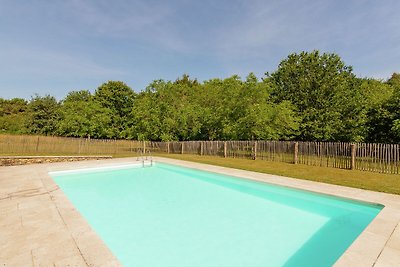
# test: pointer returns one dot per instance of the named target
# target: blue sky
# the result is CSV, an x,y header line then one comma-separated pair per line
x,y
54,47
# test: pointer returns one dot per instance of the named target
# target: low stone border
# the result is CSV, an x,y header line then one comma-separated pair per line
x,y
23,160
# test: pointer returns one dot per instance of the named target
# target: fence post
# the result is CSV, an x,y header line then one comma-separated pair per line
x,y
168,147
79,145
296,153
353,156
255,151
37,144
225,149
201,148
144,146
183,145
115,146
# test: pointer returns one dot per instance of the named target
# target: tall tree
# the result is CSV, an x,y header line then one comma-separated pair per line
x,y
260,118
325,93
12,115
43,115
394,81
215,110
384,118
81,116
167,111
119,98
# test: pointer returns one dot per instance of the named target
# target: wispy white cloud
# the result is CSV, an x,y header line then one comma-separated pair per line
x,y
363,33
129,20
46,63
265,25
118,19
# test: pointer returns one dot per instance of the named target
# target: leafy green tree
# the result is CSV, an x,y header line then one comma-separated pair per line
x,y
183,116
166,111
325,93
311,96
145,117
218,100
375,92
268,122
81,116
396,130
12,115
42,115
215,110
12,106
76,96
259,118
384,119
394,81
119,99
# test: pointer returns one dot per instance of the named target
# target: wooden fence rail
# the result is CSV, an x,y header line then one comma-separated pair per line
x,y
383,158
51,145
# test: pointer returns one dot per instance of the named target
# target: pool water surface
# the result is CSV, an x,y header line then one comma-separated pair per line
x,y
167,215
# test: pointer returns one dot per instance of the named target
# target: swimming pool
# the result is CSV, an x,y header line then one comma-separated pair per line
x,y
167,215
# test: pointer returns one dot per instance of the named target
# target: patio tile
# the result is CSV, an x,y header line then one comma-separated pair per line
x,y
394,241
96,253
389,257
24,259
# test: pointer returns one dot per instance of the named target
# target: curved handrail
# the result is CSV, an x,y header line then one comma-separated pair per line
x,y
143,155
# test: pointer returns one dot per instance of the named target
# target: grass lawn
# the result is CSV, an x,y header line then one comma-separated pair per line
x,y
388,183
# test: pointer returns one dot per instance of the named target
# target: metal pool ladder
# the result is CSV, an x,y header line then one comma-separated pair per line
x,y
143,156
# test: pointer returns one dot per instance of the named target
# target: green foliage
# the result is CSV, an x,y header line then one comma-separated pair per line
x,y
165,111
256,117
394,81
383,124
12,115
216,110
325,93
396,128
118,98
77,96
42,115
310,97
81,116
375,92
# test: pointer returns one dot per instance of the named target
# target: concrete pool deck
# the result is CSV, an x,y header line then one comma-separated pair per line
x,y
40,227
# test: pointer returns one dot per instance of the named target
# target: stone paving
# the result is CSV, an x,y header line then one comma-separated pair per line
x,y
40,227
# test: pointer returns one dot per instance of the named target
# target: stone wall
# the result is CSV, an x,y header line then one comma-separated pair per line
x,y
22,160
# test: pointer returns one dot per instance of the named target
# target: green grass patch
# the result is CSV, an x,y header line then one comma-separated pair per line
x,y
388,183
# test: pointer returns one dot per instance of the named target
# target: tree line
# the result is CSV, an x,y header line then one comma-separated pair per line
x,y
312,96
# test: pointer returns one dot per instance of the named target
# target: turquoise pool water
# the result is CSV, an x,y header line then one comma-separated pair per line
x,y
167,215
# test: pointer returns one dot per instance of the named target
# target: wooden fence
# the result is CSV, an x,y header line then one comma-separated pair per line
x,y
51,145
384,158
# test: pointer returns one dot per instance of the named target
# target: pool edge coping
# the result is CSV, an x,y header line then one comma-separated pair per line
x,y
91,247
